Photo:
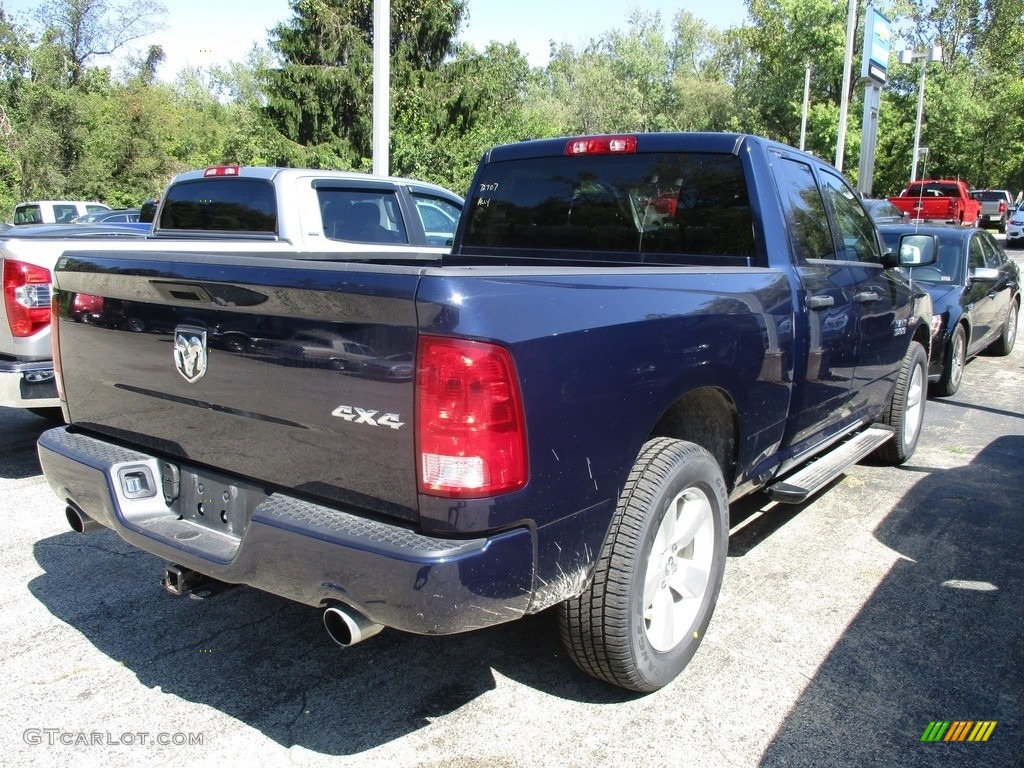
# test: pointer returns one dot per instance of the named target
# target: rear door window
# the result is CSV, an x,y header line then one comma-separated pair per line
x,y
810,234
361,215
65,213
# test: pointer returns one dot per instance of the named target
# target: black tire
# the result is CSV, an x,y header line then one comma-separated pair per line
x,y
1008,335
953,365
1002,225
906,408
654,588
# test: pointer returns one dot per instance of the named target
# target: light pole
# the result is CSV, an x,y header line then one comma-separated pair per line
x,y
908,57
807,101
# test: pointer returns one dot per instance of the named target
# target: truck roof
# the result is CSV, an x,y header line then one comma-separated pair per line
x,y
687,141
269,173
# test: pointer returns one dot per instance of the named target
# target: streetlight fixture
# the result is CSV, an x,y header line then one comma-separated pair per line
x,y
908,57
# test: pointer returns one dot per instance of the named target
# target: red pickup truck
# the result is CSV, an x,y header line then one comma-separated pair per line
x,y
945,200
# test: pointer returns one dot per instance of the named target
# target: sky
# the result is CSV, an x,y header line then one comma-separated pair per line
x,y
201,33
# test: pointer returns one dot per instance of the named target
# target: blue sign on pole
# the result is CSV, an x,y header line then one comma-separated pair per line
x,y
877,38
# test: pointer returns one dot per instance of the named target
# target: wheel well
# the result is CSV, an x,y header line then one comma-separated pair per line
x,y
924,338
968,330
706,417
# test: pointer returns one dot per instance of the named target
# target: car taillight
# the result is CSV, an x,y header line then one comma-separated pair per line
x,y
26,297
470,429
58,373
601,145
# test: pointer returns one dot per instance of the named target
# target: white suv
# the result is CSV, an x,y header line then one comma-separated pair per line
x,y
54,211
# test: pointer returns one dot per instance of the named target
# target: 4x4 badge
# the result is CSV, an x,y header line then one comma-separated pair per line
x,y
190,352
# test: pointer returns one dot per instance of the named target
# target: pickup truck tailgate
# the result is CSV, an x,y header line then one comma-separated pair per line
x,y
299,373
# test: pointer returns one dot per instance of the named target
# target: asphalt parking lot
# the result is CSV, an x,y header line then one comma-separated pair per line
x,y
845,627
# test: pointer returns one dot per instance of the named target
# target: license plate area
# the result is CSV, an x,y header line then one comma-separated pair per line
x,y
210,500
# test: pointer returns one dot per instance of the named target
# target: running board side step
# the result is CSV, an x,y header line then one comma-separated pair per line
x,y
799,486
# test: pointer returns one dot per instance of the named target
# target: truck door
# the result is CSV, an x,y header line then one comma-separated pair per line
x,y
829,315
881,298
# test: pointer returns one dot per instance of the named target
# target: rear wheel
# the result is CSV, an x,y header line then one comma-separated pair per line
x,y
1008,335
657,578
906,408
953,367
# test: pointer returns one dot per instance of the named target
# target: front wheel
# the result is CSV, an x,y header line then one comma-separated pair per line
x,y
906,408
659,572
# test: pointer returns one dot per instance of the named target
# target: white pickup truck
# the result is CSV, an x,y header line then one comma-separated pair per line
x,y
290,213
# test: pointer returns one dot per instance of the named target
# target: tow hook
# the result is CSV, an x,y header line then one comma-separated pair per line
x,y
178,580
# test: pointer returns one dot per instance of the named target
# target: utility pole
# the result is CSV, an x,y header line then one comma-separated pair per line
x,y
381,86
844,101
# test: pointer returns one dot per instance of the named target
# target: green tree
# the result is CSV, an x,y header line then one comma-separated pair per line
x,y
785,36
321,95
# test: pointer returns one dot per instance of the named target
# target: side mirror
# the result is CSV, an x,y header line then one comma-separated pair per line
x,y
914,250
985,274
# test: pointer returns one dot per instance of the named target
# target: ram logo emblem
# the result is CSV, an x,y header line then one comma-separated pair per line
x,y
190,352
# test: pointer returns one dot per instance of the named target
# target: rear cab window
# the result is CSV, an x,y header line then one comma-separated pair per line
x,y
220,205
644,208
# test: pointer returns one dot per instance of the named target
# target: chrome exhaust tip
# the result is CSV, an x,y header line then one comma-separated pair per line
x,y
347,626
79,521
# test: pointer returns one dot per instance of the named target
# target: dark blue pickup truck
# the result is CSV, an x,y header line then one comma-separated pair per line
x,y
629,333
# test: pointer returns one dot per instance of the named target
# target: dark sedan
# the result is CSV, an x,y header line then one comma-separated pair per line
x,y
884,212
975,292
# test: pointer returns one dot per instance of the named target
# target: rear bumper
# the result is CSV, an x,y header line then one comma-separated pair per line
x,y
304,551
28,384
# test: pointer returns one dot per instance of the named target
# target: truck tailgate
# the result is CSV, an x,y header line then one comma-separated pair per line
x,y
298,373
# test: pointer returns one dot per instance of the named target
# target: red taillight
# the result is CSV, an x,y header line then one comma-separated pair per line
x,y
469,419
58,373
1002,207
27,297
601,145
222,170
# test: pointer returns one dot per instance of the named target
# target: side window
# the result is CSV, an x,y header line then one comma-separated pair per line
x,y
976,254
63,213
805,210
989,252
856,232
361,216
440,218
